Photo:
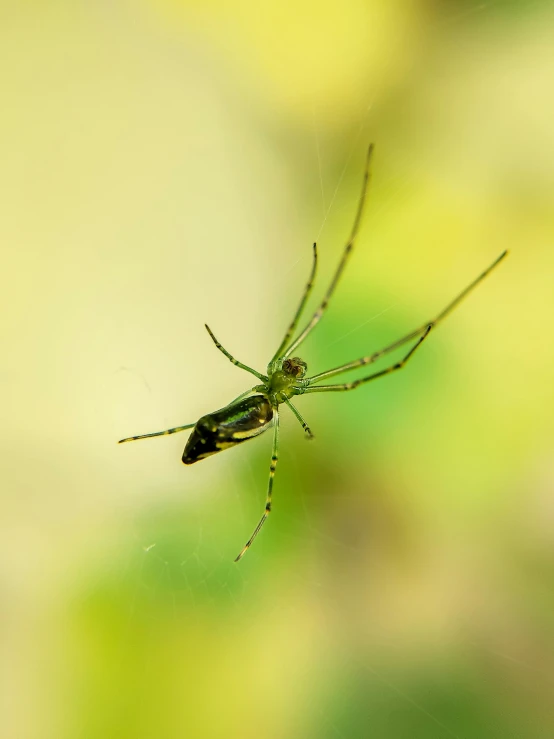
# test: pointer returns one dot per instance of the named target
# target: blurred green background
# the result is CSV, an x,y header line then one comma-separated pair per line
x,y
167,163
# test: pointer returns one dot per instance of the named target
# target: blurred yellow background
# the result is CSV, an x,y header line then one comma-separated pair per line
x,y
167,163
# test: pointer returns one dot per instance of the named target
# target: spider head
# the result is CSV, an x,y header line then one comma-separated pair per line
x,y
283,376
294,368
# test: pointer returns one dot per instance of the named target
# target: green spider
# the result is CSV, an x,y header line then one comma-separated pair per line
x,y
254,411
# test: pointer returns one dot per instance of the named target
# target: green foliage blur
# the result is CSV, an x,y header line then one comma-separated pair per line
x,y
167,163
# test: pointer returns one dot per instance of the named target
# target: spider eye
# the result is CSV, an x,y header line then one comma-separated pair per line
x,y
295,367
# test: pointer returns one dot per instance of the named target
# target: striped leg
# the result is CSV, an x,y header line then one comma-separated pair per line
x,y
232,359
302,422
177,428
294,324
374,376
159,433
314,320
412,335
272,467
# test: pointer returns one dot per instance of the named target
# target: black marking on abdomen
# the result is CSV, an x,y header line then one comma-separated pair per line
x,y
228,427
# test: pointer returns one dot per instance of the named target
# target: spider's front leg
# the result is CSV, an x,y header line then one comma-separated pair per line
x,y
356,383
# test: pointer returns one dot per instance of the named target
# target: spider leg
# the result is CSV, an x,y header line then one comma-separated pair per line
x,y
412,335
302,422
178,428
374,376
314,320
232,359
272,467
159,433
301,306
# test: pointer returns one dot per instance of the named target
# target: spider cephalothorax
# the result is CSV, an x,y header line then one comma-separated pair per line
x,y
256,410
295,367
284,380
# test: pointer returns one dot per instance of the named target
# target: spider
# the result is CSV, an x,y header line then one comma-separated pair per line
x,y
256,410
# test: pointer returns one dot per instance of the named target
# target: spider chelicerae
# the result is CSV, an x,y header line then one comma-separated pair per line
x,y
257,409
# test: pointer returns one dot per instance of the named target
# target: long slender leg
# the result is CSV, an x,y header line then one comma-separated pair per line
x,y
314,320
177,428
159,433
302,422
272,467
304,298
374,376
232,359
412,335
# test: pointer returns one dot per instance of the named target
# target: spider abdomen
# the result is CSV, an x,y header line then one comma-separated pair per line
x,y
227,427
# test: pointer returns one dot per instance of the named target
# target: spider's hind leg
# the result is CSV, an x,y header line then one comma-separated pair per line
x,y
159,433
272,468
